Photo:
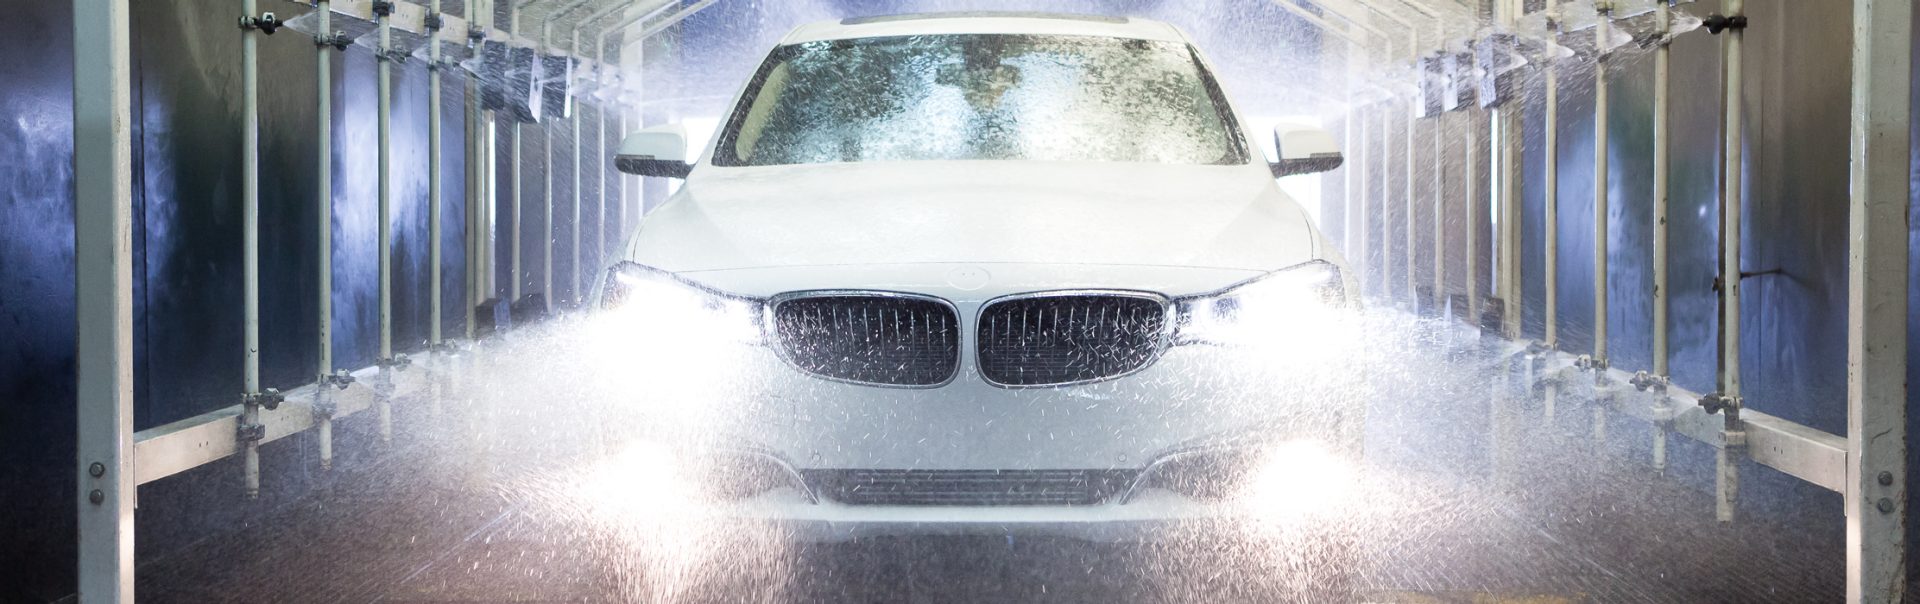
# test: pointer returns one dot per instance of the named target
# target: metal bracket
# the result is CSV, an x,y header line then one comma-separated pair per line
x,y
1644,381
339,40
399,362
269,398
383,8
248,433
338,379
1590,363
392,55
266,23
433,22
1716,23
475,34
1717,402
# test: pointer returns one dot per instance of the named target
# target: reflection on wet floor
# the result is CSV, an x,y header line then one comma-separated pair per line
x,y
1557,518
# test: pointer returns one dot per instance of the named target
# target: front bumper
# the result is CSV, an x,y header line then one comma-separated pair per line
x,y
1154,516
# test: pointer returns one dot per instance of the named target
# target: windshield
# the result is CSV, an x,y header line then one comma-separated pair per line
x,y
976,96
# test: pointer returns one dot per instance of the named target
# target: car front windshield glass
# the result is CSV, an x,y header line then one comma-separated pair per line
x,y
981,97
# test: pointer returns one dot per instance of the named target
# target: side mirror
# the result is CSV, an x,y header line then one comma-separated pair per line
x,y
1303,150
657,151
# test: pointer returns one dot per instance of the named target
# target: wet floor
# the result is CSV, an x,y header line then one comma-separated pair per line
x,y
1558,518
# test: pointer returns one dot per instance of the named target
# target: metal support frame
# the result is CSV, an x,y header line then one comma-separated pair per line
x,y
103,298
1876,475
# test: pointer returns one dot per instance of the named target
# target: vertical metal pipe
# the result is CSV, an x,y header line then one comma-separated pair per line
x,y
574,281
1601,203
1439,213
1476,199
1727,473
1661,141
1550,190
1363,200
1601,198
1508,150
323,202
546,272
513,236
471,137
433,188
103,298
1385,162
1351,175
250,234
433,206
1408,213
1877,302
384,116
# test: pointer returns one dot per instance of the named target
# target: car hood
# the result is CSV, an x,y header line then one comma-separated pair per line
x,y
1226,217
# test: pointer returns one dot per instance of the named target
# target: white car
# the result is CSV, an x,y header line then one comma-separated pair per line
x,y
998,273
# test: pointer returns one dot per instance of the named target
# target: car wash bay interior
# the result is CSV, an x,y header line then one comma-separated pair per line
x,y
259,257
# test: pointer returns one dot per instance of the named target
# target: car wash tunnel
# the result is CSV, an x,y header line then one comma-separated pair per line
x,y
956,301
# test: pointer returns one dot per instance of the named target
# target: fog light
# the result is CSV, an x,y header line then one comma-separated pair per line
x,y
1297,479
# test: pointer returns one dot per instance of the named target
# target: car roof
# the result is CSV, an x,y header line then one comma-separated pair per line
x,y
1029,23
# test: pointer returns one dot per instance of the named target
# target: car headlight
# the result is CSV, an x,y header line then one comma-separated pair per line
x,y
1274,305
660,300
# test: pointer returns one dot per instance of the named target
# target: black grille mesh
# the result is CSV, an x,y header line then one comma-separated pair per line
x,y
1053,340
874,339
969,487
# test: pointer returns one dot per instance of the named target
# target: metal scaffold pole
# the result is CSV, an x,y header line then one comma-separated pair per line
x,y
323,202
1550,190
252,397
103,298
434,65
1662,137
384,118
1878,221
1601,202
1727,471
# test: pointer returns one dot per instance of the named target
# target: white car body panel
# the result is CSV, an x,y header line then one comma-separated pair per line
x,y
968,232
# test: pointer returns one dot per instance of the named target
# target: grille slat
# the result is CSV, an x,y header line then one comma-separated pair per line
x,y
879,339
969,487
1066,339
